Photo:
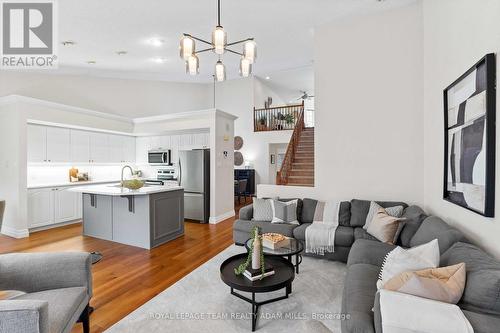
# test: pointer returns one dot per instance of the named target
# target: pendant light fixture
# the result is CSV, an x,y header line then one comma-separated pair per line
x,y
219,46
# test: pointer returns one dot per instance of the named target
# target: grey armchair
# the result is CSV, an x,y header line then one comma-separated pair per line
x,y
56,290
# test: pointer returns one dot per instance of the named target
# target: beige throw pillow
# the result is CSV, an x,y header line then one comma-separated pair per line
x,y
444,284
384,226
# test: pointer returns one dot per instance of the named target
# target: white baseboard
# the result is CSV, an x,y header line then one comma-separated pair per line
x,y
16,233
51,226
222,217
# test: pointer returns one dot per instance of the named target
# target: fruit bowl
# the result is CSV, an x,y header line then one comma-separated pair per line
x,y
133,184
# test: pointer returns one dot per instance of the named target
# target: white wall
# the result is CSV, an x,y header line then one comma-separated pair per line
x,y
131,98
262,91
13,163
237,98
457,33
369,121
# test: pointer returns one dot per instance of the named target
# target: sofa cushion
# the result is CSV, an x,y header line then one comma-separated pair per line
x,y
366,251
63,305
482,288
360,208
482,323
247,226
414,216
358,297
360,233
308,209
299,206
246,212
345,214
435,228
344,236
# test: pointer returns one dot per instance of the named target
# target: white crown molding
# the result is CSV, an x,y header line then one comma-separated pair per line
x,y
64,107
184,115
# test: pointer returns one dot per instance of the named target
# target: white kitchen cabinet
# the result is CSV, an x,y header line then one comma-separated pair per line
x,y
155,143
80,146
186,141
67,205
53,205
58,144
129,149
37,143
40,207
200,140
175,141
99,148
116,150
165,142
142,146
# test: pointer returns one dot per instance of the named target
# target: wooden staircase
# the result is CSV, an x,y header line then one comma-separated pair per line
x,y
297,168
302,171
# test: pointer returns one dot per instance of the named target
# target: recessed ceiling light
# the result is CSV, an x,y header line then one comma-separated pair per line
x,y
121,52
159,60
68,43
91,62
268,78
157,42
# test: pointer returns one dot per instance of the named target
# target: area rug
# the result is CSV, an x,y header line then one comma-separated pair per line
x,y
201,302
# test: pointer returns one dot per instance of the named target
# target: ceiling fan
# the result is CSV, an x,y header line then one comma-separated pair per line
x,y
304,96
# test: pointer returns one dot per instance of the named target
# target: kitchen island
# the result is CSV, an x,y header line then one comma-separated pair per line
x,y
147,217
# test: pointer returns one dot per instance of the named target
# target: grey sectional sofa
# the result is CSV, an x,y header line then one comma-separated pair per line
x,y
364,256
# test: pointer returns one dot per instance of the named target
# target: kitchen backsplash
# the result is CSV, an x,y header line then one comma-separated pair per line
x,y
47,174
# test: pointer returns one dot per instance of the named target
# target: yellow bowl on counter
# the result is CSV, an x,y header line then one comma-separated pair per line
x,y
133,184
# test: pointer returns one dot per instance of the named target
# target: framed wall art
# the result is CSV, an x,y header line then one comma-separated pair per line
x,y
469,136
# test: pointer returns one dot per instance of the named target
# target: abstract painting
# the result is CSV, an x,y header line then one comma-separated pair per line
x,y
469,112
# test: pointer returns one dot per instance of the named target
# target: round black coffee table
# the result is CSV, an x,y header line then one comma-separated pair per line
x,y
295,248
284,273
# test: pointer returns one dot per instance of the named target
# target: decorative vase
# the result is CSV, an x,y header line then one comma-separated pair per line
x,y
256,253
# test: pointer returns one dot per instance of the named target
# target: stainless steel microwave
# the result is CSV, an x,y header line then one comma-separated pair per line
x,y
160,157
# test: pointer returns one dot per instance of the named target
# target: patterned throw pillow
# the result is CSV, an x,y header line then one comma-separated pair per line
x,y
444,284
395,211
400,260
284,212
384,227
262,210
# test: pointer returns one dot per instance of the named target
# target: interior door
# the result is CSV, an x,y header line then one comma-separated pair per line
x,y
191,170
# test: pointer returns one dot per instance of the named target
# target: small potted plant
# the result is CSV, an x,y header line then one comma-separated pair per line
x,y
263,122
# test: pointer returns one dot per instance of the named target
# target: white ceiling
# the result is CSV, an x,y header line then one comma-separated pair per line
x,y
283,30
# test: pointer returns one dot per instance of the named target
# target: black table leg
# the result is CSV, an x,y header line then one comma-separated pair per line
x,y
255,310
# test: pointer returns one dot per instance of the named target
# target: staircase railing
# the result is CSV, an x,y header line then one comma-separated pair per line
x,y
286,166
278,118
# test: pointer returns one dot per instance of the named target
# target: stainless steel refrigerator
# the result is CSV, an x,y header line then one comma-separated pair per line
x,y
194,177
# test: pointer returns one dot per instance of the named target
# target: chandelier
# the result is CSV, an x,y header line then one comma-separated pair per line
x,y
219,46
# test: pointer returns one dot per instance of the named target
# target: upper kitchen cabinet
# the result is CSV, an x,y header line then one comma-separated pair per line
x,y
121,148
48,144
142,146
58,144
99,148
80,146
37,143
129,148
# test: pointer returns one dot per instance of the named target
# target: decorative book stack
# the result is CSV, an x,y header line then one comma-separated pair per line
x,y
275,241
256,274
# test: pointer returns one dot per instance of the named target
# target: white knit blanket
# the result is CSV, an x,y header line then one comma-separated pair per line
x,y
320,235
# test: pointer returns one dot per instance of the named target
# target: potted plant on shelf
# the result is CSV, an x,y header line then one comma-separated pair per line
x,y
263,122
289,119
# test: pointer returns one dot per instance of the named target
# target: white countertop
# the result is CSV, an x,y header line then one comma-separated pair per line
x,y
64,184
115,190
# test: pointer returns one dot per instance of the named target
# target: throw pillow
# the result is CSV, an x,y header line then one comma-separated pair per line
x,y
284,212
262,210
384,227
10,294
395,211
400,260
445,284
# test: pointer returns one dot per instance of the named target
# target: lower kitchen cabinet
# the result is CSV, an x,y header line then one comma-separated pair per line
x,y
52,205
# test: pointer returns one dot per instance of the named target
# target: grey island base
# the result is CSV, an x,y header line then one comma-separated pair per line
x,y
145,218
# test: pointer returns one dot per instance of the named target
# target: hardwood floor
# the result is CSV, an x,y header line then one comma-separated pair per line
x,y
128,276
